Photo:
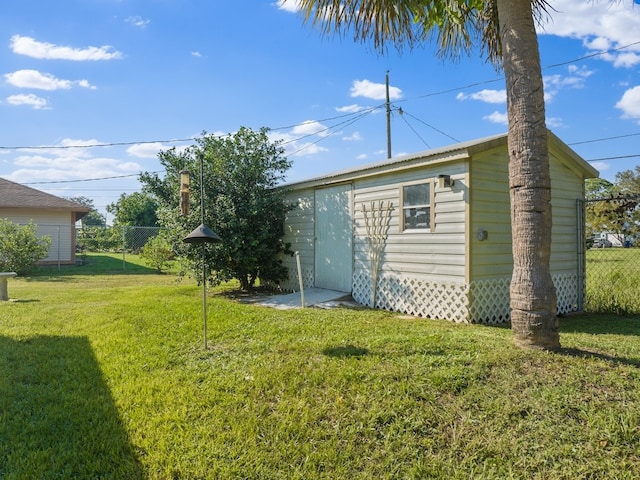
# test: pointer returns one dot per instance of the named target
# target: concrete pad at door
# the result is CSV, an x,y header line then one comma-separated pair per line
x,y
312,296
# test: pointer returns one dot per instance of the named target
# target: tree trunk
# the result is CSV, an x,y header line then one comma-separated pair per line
x,y
533,299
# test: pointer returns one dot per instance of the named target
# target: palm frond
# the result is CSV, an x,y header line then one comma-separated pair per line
x,y
457,26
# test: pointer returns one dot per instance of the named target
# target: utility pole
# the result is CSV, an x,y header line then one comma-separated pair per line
x,y
388,117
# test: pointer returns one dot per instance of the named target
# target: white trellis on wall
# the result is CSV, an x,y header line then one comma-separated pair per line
x,y
376,221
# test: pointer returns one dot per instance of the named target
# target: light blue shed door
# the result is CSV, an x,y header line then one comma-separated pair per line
x,y
333,238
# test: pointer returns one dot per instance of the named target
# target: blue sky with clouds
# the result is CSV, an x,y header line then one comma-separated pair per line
x,y
143,75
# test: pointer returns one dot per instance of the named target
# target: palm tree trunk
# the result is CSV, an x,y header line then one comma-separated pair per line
x,y
533,299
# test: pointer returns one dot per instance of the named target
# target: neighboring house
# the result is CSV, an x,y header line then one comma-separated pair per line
x,y
54,216
444,248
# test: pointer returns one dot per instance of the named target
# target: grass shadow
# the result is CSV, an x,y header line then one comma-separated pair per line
x,y
598,324
345,351
587,354
59,419
97,264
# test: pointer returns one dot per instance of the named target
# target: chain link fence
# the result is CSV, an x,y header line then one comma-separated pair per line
x,y
612,256
125,239
69,243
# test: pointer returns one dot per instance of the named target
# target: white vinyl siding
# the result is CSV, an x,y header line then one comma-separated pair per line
x,y
435,254
490,212
299,231
566,189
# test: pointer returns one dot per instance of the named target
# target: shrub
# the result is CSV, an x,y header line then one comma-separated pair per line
x,y
157,253
20,247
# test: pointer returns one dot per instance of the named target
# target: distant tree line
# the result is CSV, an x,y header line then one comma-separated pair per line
x,y
614,207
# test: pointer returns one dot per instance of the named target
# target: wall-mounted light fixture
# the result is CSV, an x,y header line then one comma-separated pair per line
x,y
445,181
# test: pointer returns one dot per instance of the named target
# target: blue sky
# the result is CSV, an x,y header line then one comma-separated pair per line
x,y
149,74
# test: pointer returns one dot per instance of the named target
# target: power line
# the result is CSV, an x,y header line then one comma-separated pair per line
x,y
358,115
605,139
428,125
89,179
94,145
619,157
401,112
51,182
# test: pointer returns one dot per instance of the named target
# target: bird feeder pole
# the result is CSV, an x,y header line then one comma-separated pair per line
x,y
202,235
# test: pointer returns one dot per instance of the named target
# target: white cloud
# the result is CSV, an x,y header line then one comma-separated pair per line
x,y
576,78
64,163
630,103
600,166
554,122
626,60
85,84
287,5
355,137
601,25
137,21
292,144
31,100
35,49
196,54
310,127
146,150
487,96
42,81
374,91
35,79
497,117
354,108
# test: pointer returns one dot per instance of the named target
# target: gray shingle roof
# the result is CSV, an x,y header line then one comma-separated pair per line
x,y
15,195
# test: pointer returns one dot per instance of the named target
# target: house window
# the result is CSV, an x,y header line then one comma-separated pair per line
x,y
416,206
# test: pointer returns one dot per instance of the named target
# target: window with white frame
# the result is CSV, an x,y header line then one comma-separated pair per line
x,y
416,206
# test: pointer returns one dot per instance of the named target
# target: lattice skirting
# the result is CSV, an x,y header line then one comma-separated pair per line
x,y
490,298
490,301
293,284
567,289
414,296
484,301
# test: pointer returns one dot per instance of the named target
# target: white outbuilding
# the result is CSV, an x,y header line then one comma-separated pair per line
x,y
429,234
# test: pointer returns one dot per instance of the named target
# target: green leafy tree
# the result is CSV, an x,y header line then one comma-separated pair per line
x,y
596,188
242,205
20,247
505,32
615,207
628,182
137,209
93,218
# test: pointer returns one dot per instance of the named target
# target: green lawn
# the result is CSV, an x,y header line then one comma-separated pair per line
x,y
105,376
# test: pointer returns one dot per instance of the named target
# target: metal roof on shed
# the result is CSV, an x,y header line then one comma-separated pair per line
x,y
457,151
